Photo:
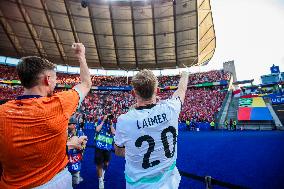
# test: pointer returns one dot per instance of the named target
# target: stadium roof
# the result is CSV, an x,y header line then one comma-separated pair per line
x,y
117,34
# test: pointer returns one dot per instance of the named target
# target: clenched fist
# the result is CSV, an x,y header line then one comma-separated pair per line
x,y
79,49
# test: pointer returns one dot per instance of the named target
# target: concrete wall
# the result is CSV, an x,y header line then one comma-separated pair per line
x,y
230,67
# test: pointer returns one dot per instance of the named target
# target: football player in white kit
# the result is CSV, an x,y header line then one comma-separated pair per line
x,y
147,135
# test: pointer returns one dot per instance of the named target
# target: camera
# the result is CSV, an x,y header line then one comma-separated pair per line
x,y
110,117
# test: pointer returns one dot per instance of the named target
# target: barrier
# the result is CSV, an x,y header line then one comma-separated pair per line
x,y
209,181
112,88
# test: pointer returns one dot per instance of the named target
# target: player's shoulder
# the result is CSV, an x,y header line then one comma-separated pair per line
x,y
60,98
3,101
170,100
123,117
9,104
127,116
4,105
70,92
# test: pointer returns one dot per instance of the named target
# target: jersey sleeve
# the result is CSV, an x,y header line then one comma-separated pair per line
x,y
98,123
174,104
69,101
81,97
120,136
80,133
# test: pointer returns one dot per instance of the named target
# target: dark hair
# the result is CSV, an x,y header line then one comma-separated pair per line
x,y
29,69
110,116
3,101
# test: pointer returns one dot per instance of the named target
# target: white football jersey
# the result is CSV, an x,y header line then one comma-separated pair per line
x,y
149,135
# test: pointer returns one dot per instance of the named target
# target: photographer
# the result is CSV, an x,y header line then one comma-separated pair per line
x,y
76,144
103,145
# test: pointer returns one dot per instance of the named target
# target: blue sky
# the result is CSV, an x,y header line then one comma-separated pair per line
x,y
251,32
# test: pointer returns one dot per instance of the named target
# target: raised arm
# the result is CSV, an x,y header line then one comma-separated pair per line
x,y
99,127
112,129
182,86
86,83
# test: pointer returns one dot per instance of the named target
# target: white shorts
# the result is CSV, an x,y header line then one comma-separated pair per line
x,y
169,181
62,180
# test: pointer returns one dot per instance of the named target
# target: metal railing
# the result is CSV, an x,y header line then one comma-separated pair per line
x,y
218,116
209,181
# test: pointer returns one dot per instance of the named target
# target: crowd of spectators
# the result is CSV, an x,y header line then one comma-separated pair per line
x,y
195,78
210,76
168,81
8,92
72,79
100,103
9,73
201,104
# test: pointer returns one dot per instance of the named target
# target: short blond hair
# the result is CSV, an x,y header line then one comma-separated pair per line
x,y
145,83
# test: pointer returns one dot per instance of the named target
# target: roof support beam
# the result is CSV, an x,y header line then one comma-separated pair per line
x,y
175,30
206,32
31,29
134,38
200,3
53,31
95,3
76,38
154,31
207,45
95,34
204,18
206,55
105,48
113,34
197,33
13,39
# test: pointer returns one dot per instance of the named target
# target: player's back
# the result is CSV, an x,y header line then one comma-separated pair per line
x,y
149,136
33,137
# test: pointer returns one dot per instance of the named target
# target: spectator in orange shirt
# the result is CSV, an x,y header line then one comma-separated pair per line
x,y
33,127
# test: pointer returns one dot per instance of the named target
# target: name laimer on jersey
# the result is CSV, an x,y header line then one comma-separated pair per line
x,y
150,121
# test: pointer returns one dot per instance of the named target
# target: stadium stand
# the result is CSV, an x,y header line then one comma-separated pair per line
x,y
9,73
201,104
9,92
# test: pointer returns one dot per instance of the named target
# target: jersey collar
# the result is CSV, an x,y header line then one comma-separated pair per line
x,y
148,106
28,96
